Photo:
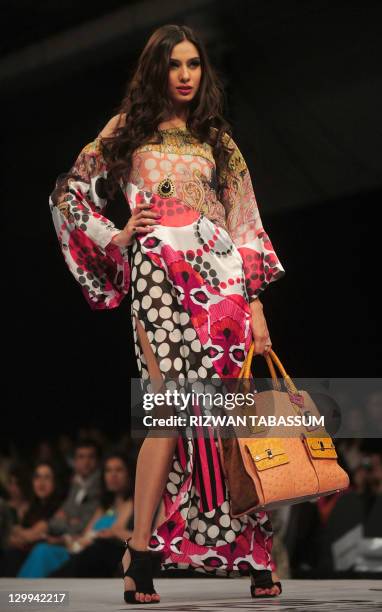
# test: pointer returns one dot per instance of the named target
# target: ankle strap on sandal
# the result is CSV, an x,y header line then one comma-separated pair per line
x,y
262,579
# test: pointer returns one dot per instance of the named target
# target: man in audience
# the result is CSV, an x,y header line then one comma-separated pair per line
x,y
83,496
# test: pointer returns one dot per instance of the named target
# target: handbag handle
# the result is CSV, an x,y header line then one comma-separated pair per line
x,y
270,358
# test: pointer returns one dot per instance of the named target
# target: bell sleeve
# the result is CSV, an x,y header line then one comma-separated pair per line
x,y
260,263
84,233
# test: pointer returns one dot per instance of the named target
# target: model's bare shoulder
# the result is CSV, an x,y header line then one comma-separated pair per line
x,y
115,122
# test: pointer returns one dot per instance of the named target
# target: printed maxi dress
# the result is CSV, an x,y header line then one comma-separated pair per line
x,y
191,279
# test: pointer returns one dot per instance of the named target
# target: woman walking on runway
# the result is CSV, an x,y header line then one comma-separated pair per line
x,y
196,257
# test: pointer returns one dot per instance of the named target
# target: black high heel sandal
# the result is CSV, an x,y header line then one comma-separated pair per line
x,y
262,579
141,571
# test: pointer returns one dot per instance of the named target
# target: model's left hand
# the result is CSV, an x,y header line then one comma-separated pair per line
x,y
259,328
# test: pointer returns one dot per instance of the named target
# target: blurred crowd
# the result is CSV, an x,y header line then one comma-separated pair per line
x,y
338,535
69,514
67,507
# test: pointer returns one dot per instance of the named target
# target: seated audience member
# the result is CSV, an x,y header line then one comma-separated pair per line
x,y
5,522
14,500
83,497
376,473
65,449
98,550
18,489
45,500
351,448
362,481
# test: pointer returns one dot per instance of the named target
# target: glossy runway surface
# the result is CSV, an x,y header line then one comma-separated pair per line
x,y
200,595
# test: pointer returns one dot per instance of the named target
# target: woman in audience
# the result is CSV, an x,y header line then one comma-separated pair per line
x,y
14,500
45,500
18,492
97,551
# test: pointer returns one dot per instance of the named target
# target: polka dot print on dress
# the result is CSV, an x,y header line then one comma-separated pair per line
x,y
180,353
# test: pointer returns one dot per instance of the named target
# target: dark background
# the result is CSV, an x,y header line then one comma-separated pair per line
x,y
303,86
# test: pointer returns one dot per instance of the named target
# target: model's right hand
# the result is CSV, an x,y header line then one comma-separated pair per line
x,y
141,220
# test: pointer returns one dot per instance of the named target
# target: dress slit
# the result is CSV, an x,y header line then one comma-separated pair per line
x,y
150,359
155,376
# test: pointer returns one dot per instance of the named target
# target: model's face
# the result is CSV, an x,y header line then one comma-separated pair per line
x,y
184,71
116,475
43,482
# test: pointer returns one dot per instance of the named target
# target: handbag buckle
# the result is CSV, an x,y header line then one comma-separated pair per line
x,y
269,453
264,456
320,447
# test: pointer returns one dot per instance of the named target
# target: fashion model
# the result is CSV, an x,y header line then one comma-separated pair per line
x,y
196,257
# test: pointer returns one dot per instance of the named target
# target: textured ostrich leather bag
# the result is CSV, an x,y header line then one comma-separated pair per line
x,y
263,473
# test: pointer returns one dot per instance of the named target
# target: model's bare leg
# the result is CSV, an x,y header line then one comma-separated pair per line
x,y
153,466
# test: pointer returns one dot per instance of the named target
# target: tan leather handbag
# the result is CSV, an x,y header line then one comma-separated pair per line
x,y
263,473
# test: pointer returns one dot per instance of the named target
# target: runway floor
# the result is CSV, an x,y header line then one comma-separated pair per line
x,y
199,595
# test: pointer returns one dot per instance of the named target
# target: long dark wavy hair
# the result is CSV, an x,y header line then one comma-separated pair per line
x,y
146,104
107,497
43,509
